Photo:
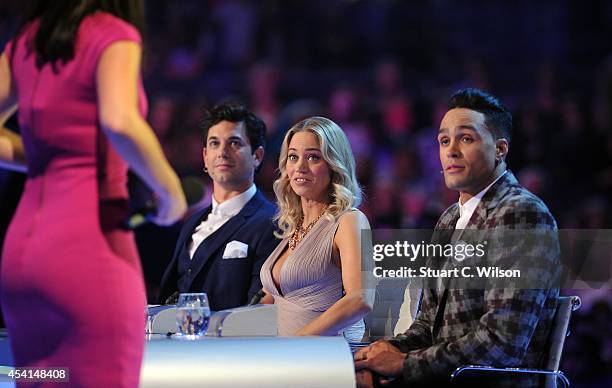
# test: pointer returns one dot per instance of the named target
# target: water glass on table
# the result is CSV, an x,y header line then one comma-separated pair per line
x,y
192,314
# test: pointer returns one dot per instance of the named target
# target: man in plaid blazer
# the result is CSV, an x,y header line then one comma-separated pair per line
x,y
494,325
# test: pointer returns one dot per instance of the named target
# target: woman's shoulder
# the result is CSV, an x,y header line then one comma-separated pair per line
x,y
352,226
353,218
109,26
26,35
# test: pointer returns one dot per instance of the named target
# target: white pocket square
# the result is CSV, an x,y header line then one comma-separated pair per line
x,y
235,250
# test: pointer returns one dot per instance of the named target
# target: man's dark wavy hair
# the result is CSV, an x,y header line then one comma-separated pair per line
x,y
235,113
497,117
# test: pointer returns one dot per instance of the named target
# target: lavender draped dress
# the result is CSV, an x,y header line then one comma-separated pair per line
x,y
310,283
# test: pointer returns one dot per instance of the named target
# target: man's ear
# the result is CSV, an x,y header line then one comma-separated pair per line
x,y
258,156
501,149
204,158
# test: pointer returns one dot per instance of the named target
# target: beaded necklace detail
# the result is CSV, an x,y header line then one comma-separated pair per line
x,y
300,232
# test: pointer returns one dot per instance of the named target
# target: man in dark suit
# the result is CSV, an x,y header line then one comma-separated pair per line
x,y
497,324
220,249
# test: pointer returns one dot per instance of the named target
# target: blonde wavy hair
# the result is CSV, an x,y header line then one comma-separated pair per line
x,y
344,191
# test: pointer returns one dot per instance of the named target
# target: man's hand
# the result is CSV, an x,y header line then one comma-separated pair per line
x,y
364,378
374,349
381,357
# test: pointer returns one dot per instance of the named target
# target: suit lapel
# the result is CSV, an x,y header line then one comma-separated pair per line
x,y
181,253
190,226
221,236
442,235
449,218
185,240
491,200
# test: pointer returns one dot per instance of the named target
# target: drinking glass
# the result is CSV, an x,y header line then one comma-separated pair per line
x,y
192,314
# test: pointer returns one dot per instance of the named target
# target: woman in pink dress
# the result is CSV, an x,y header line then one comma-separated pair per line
x,y
71,288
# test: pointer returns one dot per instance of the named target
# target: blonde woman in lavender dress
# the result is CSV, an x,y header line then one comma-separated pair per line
x,y
314,275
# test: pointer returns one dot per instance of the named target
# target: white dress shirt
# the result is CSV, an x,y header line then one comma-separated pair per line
x,y
219,215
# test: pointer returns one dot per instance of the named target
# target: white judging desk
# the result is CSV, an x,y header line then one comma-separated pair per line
x,y
240,362
248,362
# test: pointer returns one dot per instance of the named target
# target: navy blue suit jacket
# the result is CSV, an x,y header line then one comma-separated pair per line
x,y
228,282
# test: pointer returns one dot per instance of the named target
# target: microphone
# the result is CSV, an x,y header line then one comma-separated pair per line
x,y
257,297
194,192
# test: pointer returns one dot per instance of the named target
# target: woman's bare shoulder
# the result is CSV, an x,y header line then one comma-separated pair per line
x,y
353,219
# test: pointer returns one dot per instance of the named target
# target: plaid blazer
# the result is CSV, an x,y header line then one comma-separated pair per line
x,y
503,327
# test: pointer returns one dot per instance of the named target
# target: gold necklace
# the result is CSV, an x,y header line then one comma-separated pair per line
x,y
300,232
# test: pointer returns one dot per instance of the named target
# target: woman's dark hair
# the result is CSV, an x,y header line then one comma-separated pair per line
x,y
60,19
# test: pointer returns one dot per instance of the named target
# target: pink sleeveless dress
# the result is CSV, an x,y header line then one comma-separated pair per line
x,y
310,283
71,288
